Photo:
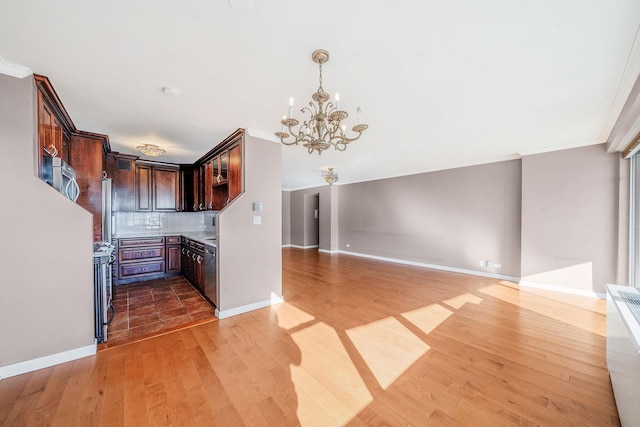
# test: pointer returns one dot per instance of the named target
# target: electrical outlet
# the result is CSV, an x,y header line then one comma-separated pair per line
x,y
348,245
496,265
489,264
481,263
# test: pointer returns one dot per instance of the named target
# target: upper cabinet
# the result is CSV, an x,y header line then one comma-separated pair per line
x,y
216,179
157,188
83,151
54,124
166,189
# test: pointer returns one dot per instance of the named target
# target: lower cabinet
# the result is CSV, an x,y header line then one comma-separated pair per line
x,y
192,256
140,259
173,261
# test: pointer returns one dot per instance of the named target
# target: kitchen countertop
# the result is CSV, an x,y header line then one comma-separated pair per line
x,y
204,237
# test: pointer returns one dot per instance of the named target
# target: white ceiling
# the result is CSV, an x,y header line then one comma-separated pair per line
x,y
441,84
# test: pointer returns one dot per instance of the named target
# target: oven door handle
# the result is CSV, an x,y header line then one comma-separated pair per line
x,y
74,192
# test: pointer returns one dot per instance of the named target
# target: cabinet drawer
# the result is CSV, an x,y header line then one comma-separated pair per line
x,y
173,240
141,269
123,243
147,253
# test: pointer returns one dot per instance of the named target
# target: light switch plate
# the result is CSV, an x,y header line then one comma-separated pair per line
x,y
257,207
257,220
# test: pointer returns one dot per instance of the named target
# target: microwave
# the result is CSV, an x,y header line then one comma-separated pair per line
x,y
58,174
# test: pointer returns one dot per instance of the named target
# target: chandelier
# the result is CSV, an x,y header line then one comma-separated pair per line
x,y
324,127
330,176
151,150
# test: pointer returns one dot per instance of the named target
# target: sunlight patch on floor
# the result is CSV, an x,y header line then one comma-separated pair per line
x,y
388,348
428,318
329,388
290,316
460,300
561,311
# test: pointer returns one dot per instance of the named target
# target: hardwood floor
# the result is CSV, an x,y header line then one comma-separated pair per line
x,y
357,342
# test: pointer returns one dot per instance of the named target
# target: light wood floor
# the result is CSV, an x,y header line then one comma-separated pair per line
x,y
357,342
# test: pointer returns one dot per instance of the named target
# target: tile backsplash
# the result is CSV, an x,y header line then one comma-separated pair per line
x,y
128,222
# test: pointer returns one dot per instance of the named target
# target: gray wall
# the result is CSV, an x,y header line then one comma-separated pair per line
x,y
451,218
301,218
557,219
46,296
311,223
571,219
286,218
250,256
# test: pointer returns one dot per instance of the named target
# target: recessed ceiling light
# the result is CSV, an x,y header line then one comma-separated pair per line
x,y
171,91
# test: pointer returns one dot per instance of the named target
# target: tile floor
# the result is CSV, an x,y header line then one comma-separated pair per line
x,y
148,308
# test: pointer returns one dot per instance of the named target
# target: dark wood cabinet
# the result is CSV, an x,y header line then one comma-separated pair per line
x,y
166,189
235,171
192,257
54,124
187,189
174,259
157,188
208,185
86,155
140,259
143,188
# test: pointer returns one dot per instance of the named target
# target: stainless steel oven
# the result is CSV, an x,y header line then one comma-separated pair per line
x,y
103,258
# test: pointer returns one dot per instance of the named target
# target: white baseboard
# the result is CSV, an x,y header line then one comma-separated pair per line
x,y
249,307
303,247
554,288
433,266
46,361
517,280
326,251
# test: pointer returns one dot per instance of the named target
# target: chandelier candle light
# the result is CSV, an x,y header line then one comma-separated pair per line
x,y
324,128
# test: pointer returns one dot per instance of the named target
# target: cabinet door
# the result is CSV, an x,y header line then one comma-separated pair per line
x,y
173,259
166,189
208,185
235,171
196,189
216,169
185,264
224,160
198,271
143,188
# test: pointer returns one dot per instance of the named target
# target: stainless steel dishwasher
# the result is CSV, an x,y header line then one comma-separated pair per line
x,y
210,281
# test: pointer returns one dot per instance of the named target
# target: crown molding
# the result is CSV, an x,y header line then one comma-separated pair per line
x,y
14,70
625,89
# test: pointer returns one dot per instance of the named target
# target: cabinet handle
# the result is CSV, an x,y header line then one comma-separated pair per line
x,y
201,207
195,207
183,250
210,205
199,259
188,253
193,257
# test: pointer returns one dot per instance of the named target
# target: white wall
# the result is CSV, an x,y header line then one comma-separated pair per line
x,y
46,295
